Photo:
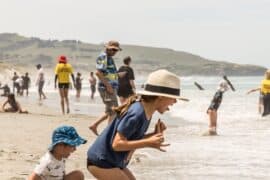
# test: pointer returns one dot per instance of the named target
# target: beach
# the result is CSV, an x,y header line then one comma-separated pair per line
x,y
25,138
240,152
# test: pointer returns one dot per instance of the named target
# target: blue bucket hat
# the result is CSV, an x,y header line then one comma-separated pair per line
x,y
67,135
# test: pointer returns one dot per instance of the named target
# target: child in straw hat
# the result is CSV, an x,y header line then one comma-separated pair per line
x,y
109,155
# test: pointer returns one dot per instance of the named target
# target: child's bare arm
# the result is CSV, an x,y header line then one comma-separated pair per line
x,y
120,143
3,106
253,90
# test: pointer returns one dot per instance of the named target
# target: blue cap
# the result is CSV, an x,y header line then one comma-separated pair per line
x,y
67,135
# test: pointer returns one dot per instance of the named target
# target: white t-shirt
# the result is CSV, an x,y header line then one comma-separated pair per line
x,y
50,168
40,75
19,81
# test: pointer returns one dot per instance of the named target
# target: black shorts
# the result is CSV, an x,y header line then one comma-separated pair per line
x,y
101,164
63,85
125,92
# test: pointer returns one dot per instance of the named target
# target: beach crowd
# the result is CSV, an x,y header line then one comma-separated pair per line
x,y
127,111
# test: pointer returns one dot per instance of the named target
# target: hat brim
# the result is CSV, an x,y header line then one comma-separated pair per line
x,y
149,93
113,47
78,141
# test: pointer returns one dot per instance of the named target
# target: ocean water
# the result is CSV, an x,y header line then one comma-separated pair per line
x,y
241,151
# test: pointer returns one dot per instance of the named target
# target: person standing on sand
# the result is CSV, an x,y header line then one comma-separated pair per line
x,y
126,83
26,83
93,82
78,87
15,85
19,84
40,81
108,82
109,155
62,72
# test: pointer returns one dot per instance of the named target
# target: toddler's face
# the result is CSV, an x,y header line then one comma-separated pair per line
x,y
67,150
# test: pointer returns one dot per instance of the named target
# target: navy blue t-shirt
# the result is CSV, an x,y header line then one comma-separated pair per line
x,y
133,125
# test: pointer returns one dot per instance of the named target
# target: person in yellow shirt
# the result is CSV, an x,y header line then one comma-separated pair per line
x,y
264,102
265,90
62,72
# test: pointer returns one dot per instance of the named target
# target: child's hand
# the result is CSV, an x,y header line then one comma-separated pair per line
x,y
156,141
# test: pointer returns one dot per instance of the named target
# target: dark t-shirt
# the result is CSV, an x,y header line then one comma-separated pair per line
x,y
216,101
78,82
26,82
125,88
15,77
133,125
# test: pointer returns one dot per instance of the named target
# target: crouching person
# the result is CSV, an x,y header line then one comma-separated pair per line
x,y
65,139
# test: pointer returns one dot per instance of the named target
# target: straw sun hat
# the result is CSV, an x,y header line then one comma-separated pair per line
x,y
162,83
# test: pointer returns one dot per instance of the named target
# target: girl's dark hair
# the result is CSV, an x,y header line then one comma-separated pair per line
x,y
127,60
122,109
11,97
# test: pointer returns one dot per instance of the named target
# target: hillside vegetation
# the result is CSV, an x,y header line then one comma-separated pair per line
x,y
19,51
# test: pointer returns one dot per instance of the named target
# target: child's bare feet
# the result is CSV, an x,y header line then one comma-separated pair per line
x,y
210,133
93,128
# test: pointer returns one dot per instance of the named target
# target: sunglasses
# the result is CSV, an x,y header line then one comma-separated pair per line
x,y
115,50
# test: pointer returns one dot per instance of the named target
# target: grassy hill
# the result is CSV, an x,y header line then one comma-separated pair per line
x,y
27,52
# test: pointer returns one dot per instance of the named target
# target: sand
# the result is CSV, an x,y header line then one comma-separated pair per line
x,y
240,152
24,138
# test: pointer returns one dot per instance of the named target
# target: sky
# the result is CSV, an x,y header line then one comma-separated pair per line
x,y
223,30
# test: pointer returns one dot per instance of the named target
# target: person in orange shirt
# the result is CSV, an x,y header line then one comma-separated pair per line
x,y
62,72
